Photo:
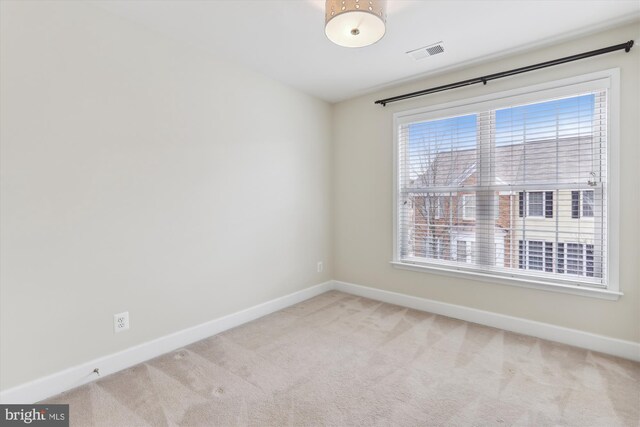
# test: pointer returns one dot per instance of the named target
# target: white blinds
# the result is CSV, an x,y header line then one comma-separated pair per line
x,y
517,191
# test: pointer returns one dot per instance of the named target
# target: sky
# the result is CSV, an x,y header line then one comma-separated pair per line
x,y
552,119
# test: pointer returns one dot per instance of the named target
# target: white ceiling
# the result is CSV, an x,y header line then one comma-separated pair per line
x,y
284,39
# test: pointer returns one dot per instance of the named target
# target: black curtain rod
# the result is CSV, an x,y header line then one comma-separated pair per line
x,y
626,46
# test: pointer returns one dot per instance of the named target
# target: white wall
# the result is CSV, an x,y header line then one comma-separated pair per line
x,y
139,174
362,193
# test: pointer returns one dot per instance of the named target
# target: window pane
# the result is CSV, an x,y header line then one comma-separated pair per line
x,y
560,258
548,204
434,247
587,203
528,136
439,206
521,254
469,207
548,257
463,255
589,258
441,152
435,223
575,262
535,255
535,203
575,204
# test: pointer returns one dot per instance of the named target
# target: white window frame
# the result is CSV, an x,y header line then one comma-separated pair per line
x,y
606,79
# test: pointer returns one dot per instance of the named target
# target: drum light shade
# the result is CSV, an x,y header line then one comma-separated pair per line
x,y
355,23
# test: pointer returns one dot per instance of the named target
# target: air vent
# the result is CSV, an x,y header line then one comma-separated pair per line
x,y
426,51
433,50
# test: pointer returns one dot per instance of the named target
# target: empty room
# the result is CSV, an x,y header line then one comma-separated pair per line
x,y
320,213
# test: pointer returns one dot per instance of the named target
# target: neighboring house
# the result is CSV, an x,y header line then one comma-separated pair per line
x,y
445,222
544,230
560,231
540,248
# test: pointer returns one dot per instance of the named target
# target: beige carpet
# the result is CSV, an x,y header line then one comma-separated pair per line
x,y
342,360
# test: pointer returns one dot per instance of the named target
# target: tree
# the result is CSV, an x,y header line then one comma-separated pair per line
x,y
438,168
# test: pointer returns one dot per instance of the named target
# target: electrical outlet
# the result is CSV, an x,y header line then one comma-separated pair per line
x,y
121,322
320,267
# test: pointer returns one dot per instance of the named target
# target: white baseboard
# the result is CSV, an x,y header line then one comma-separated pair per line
x,y
616,347
75,376
67,379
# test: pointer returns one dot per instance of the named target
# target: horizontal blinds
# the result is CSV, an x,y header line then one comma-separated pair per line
x,y
517,191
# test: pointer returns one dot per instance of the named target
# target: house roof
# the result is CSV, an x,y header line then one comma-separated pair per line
x,y
566,160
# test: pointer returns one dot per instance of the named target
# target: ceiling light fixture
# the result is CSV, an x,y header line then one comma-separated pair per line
x,y
355,23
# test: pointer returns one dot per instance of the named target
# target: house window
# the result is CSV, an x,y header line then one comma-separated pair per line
x,y
589,257
535,204
575,204
520,166
548,204
434,248
578,259
575,261
463,251
582,204
534,255
440,203
432,206
548,257
530,255
587,203
468,207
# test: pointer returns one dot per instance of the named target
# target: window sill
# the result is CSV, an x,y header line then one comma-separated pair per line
x,y
523,283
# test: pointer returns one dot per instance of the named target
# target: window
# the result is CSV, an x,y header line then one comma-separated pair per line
x,y
584,199
432,206
463,251
535,204
578,260
440,202
548,204
548,257
434,248
574,258
575,204
587,203
468,207
534,255
518,168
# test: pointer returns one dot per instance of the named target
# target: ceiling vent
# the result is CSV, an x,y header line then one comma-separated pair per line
x,y
426,51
